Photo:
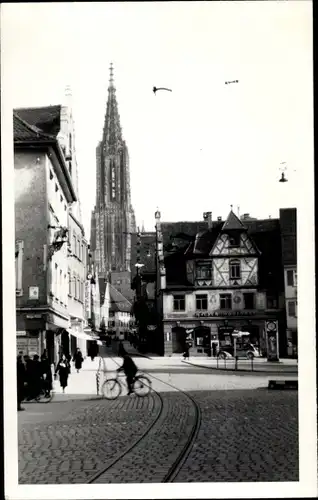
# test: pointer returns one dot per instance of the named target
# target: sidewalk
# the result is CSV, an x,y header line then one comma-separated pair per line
x,y
82,385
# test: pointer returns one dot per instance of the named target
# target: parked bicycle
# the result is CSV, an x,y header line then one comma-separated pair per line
x,y
113,387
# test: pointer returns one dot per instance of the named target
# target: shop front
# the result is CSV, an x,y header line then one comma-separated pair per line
x,y
30,335
211,331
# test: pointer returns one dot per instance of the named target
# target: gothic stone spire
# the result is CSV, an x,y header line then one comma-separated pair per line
x,y
112,130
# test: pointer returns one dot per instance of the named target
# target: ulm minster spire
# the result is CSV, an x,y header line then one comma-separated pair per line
x,y
113,218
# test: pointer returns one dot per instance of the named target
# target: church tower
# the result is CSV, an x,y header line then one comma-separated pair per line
x,y
113,218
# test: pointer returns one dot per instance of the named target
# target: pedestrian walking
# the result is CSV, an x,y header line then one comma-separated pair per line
x,y
46,374
63,369
214,349
37,377
21,380
78,359
186,354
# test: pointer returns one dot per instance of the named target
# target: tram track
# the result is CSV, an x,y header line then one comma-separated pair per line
x,y
170,473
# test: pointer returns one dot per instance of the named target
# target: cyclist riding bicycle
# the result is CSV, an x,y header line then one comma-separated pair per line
x,y
130,370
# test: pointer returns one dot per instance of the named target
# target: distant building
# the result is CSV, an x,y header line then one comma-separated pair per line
x,y
113,218
288,226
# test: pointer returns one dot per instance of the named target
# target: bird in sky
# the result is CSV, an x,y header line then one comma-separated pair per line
x,y
232,81
160,88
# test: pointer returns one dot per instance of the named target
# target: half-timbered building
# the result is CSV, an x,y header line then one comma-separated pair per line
x,y
230,277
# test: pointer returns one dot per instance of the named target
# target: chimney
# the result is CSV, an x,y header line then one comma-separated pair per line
x,y
207,216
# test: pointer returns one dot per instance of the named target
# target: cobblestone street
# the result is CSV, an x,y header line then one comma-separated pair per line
x,y
246,432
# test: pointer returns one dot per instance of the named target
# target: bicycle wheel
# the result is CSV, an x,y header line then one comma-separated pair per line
x,y
142,385
111,388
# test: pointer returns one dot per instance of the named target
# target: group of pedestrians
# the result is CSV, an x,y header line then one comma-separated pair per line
x,y
34,377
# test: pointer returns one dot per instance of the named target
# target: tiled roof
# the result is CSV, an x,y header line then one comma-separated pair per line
x,y
24,132
232,223
118,303
46,118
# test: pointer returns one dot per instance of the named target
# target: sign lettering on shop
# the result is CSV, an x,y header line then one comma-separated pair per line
x,y
225,314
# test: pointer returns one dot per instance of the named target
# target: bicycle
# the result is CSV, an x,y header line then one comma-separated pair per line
x,y
113,387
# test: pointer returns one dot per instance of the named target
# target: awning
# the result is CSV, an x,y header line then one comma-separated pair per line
x,y
81,335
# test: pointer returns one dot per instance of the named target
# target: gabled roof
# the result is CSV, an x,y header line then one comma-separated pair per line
x,y
118,303
24,132
45,118
233,223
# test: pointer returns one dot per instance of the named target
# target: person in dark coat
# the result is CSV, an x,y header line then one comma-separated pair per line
x,y
78,359
47,375
63,369
21,379
121,349
93,350
130,370
36,377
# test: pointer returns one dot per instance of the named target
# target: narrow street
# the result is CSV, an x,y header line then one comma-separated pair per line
x,y
244,432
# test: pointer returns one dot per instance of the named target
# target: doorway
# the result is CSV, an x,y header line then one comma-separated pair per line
x,y
179,336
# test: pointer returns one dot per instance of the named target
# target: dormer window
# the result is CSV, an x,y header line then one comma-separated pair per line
x,y
234,240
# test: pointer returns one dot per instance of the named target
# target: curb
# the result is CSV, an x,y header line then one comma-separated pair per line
x,y
282,384
237,371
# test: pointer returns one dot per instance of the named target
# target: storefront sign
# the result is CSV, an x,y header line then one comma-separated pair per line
x,y
271,331
28,345
176,315
87,299
217,314
33,292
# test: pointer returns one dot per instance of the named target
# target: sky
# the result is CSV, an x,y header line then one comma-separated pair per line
x,y
205,145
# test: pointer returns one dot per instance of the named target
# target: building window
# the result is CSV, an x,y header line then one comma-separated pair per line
x,y
74,286
78,289
292,308
204,270
78,249
291,277
51,175
179,302
235,269
74,246
234,240
69,283
82,252
272,302
201,302
70,167
225,301
249,302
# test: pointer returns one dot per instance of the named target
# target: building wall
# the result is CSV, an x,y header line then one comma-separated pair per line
x,y
221,271
31,224
76,269
213,301
57,268
291,296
